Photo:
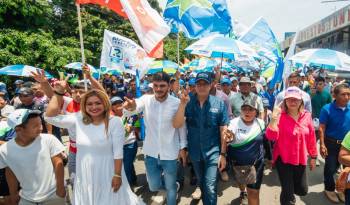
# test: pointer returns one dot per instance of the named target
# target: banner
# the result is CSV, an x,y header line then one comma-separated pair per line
x,y
123,54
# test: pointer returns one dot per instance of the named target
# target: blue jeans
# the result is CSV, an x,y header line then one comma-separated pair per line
x,y
207,173
347,197
331,165
130,151
155,168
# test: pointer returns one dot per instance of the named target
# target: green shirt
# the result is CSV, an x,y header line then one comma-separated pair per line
x,y
346,141
318,100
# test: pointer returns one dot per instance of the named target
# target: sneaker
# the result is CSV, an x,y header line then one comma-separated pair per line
x,y
224,176
341,196
158,199
332,196
243,198
197,194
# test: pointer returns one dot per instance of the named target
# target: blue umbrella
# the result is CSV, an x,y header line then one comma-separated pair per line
x,y
323,58
79,66
203,64
217,46
21,70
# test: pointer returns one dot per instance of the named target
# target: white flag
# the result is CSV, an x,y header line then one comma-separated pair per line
x,y
147,23
122,54
287,64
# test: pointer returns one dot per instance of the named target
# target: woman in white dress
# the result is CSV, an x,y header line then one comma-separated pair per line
x,y
100,178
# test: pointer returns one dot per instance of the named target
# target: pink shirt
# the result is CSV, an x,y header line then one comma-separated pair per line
x,y
294,139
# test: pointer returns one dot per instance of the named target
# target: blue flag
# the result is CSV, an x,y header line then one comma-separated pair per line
x,y
261,37
198,18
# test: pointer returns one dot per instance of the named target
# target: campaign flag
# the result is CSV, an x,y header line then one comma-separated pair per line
x,y
261,37
121,53
149,26
198,18
113,5
288,68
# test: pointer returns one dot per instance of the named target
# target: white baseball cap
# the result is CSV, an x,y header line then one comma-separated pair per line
x,y
19,116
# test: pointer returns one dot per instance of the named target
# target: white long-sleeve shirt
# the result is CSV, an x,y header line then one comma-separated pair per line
x,y
162,139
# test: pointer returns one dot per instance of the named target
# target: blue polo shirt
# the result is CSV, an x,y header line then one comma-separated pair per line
x,y
337,120
203,125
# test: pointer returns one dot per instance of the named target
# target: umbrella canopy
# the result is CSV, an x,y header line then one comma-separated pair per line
x,y
21,70
163,65
323,58
217,46
203,65
79,66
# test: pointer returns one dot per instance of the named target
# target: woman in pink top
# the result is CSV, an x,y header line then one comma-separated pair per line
x,y
294,135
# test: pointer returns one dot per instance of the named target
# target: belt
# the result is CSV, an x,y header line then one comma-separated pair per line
x,y
334,141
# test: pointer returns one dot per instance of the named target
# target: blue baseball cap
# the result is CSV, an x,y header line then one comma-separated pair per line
x,y
192,82
225,81
203,76
116,99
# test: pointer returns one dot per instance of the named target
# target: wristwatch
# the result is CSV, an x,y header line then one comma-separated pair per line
x,y
223,154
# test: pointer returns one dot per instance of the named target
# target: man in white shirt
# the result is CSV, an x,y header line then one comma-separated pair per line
x,y
163,143
294,80
34,160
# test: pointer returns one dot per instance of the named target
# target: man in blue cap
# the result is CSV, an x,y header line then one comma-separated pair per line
x,y
206,119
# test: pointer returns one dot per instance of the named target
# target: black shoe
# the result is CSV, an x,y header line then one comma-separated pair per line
x,y
243,198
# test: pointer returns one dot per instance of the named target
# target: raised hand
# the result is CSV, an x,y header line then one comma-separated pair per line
x,y
86,71
184,98
39,76
129,104
228,135
277,110
61,86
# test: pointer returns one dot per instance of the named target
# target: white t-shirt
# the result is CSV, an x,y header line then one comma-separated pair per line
x,y
245,133
32,165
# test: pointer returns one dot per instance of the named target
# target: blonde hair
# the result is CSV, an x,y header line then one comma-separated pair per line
x,y
106,104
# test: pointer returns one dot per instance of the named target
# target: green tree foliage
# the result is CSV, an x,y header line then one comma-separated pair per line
x,y
45,33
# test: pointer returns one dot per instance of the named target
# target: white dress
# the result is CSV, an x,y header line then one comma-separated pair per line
x,y
95,161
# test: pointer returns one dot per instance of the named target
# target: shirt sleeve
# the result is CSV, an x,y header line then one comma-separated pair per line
x,y
324,115
183,136
346,141
224,116
271,134
117,133
56,147
3,163
62,121
311,139
140,106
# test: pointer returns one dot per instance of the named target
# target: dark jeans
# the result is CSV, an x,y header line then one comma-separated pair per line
x,y
130,151
207,172
293,181
347,197
331,165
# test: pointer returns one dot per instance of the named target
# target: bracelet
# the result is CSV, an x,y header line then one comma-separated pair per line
x,y
57,93
117,175
223,154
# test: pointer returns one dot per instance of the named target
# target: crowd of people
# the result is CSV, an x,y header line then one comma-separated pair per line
x,y
213,123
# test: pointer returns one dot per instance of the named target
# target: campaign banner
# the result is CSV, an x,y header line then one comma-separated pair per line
x,y
122,54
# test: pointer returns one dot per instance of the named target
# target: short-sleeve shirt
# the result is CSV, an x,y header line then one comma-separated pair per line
x,y
237,102
32,165
318,100
203,125
336,119
346,141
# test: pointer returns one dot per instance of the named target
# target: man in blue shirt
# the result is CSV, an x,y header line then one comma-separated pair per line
x,y
206,119
334,124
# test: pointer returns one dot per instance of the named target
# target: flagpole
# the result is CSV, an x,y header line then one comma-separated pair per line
x,y
81,43
178,48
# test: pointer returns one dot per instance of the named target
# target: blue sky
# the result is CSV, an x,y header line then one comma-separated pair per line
x,y
282,15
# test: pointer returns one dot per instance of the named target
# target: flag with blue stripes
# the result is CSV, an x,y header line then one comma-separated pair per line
x,y
261,37
198,18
